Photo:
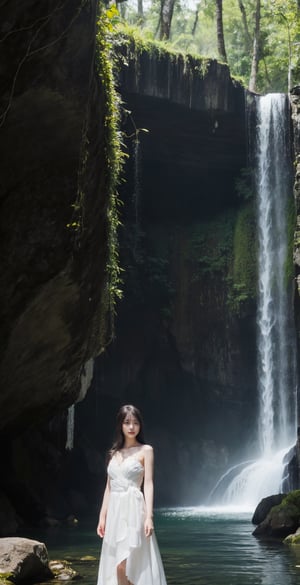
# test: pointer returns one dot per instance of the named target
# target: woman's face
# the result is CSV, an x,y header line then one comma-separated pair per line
x,y
130,427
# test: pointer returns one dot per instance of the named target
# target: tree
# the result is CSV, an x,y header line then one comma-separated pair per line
x,y
256,49
248,40
262,38
220,31
197,18
140,10
166,15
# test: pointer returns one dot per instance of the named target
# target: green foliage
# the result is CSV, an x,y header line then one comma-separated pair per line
x,y
211,246
107,63
290,505
6,578
279,39
138,41
225,248
291,498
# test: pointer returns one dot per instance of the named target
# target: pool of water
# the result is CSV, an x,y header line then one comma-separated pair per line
x,y
199,546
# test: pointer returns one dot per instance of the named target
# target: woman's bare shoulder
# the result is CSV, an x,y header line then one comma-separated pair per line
x,y
147,449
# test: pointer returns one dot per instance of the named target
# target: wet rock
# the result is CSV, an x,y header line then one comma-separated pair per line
x,y
22,559
282,519
62,570
264,507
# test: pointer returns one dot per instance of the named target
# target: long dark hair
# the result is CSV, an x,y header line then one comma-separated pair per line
x,y
127,409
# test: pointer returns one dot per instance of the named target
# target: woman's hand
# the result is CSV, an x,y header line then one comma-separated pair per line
x,y
103,511
101,527
148,526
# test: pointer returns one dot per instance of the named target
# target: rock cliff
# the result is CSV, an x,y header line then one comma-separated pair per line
x,y
53,202
54,199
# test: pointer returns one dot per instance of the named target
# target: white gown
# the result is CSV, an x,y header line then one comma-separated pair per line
x,y
124,531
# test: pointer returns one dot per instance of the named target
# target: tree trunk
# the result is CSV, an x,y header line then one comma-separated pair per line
x,y
248,40
140,10
220,31
256,48
166,14
196,19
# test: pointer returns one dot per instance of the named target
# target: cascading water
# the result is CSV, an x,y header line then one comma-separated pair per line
x,y
276,369
275,331
70,428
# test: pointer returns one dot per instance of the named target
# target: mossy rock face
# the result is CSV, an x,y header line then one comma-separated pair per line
x,y
292,498
264,507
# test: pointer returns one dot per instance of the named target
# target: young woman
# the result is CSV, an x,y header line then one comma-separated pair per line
x,y
130,554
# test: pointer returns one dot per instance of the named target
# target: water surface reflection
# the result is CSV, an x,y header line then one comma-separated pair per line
x,y
199,546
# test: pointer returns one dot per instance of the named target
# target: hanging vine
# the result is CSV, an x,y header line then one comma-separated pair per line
x,y
107,63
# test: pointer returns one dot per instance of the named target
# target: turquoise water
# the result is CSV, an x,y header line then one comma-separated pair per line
x,y
199,547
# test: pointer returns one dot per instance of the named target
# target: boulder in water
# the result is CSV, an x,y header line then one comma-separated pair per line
x,y
282,519
264,507
22,559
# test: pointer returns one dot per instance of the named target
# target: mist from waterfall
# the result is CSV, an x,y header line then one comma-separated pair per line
x,y
275,329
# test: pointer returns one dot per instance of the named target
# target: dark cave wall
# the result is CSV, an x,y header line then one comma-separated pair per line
x,y
54,230
187,359
52,271
185,332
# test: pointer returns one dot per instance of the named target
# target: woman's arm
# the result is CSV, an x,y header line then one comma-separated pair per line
x,y
103,511
148,488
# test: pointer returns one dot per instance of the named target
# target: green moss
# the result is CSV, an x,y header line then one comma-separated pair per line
x,y
244,268
226,247
291,498
6,578
211,246
137,42
293,539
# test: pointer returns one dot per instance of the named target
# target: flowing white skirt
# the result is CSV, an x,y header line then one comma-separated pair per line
x,y
125,540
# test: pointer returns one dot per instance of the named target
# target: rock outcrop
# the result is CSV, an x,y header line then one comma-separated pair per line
x,y
281,519
23,560
264,507
53,206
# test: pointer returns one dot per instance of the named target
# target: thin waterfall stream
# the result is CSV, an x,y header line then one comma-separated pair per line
x,y
276,358
276,378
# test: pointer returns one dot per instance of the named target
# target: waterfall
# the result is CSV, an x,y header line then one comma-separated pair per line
x,y
136,196
275,330
70,428
136,178
276,379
